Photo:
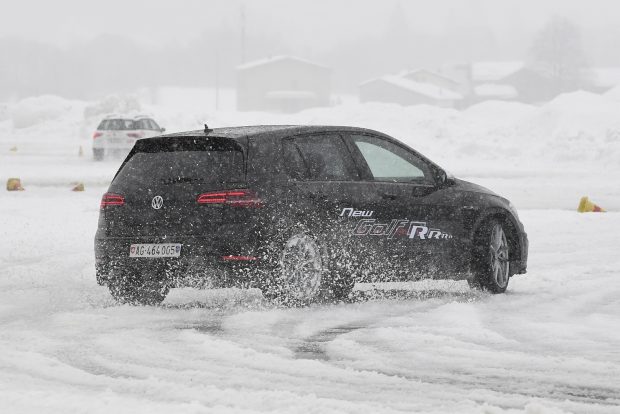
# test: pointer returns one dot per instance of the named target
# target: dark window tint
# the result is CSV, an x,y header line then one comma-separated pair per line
x,y
293,162
390,162
116,125
154,125
146,123
322,158
183,167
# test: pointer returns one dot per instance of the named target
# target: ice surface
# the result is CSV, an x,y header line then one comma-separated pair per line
x,y
549,345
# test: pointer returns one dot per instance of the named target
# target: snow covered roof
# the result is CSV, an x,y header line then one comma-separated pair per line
x,y
274,59
494,71
496,90
426,89
407,73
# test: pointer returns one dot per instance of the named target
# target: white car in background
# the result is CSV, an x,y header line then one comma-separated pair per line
x,y
116,135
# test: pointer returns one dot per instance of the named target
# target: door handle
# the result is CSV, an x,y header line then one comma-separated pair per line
x,y
422,191
389,196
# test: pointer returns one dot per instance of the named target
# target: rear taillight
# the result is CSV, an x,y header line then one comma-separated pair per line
x,y
234,198
97,135
134,135
111,199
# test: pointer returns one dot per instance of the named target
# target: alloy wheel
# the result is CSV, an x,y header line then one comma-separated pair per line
x,y
499,255
302,267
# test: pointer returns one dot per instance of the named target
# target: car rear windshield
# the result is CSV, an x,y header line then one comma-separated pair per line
x,y
116,125
187,166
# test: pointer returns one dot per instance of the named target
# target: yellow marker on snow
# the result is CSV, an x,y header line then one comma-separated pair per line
x,y
587,206
14,184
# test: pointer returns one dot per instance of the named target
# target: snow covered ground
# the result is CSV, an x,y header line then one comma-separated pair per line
x,y
551,344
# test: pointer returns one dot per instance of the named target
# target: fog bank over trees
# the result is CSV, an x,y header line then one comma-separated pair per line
x,y
89,51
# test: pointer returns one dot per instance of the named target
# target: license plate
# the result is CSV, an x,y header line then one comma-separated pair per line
x,y
155,250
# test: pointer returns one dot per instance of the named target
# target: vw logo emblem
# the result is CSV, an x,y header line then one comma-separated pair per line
x,y
157,202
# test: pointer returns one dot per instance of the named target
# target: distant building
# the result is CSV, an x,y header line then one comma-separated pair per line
x,y
493,72
490,81
434,78
412,88
283,84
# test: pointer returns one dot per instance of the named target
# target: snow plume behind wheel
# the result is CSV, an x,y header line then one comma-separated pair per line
x,y
302,272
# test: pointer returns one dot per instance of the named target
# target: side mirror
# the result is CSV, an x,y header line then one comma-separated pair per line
x,y
445,178
162,130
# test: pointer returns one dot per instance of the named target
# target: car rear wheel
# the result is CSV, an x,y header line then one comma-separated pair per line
x,y
98,154
491,265
303,275
130,287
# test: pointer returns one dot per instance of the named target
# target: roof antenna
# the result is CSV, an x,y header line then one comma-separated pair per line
x,y
207,129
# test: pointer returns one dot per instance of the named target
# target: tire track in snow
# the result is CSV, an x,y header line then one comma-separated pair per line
x,y
314,346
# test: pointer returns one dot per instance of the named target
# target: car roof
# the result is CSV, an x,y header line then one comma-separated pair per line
x,y
126,117
256,131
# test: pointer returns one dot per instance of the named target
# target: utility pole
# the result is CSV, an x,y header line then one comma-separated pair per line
x,y
217,79
243,33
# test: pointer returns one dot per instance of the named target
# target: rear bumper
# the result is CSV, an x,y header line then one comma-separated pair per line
x,y
114,145
200,257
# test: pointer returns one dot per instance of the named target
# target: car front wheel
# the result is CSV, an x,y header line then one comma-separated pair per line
x,y
491,264
98,154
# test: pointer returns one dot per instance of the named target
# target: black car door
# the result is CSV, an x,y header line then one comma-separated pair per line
x,y
325,189
417,222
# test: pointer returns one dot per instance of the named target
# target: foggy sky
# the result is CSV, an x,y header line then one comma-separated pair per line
x,y
311,24
357,38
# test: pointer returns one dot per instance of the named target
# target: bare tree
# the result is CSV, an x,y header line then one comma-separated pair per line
x,y
557,53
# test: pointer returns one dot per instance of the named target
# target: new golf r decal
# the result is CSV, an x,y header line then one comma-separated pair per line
x,y
394,228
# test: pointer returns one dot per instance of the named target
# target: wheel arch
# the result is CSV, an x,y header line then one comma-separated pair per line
x,y
510,227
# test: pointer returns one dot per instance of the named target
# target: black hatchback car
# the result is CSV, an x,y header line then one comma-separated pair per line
x,y
301,212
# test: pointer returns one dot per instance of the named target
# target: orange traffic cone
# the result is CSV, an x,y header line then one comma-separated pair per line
x,y
14,184
586,206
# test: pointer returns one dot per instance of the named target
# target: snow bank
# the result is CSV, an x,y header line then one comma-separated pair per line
x,y
118,104
33,111
613,93
499,111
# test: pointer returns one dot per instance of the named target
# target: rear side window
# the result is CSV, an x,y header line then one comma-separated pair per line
x,y
154,125
319,158
185,165
116,125
146,123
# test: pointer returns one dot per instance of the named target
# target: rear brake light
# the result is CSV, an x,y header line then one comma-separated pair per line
x,y
235,198
111,199
134,135
97,134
